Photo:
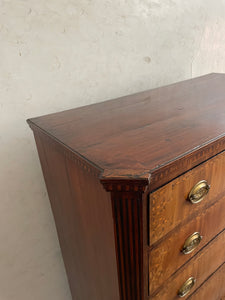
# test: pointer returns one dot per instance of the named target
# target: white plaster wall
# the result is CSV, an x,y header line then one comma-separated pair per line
x,y
59,54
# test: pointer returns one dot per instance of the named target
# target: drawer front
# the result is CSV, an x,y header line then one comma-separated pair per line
x,y
213,288
167,256
169,205
200,267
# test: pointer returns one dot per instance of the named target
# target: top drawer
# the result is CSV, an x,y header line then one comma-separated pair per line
x,y
170,205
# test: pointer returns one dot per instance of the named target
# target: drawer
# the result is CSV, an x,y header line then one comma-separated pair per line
x,y
167,256
200,267
213,288
169,205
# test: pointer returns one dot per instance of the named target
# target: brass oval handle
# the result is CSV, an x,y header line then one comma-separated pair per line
x,y
186,287
199,191
192,243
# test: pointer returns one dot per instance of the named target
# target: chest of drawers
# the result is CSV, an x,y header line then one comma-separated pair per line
x,y
137,189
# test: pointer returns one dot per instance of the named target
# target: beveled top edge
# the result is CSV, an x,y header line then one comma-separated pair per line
x,y
121,179
125,174
69,150
165,173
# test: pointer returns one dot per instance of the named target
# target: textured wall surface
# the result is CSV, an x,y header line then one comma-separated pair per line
x,y
59,54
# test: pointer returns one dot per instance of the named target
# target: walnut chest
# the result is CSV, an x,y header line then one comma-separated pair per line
x,y
137,189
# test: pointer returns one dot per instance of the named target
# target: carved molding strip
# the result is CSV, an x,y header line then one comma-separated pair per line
x,y
69,154
164,174
124,185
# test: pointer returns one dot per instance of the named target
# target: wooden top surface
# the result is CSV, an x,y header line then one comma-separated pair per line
x,y
140,134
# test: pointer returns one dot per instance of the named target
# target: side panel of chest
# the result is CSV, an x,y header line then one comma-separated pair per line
x,y
83,217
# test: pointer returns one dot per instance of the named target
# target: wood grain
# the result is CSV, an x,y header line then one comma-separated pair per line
x,y
201,266
84,221
162,132
213,288
169,206
166,257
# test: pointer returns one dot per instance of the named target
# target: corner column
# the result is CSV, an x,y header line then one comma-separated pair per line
x,y
127,208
